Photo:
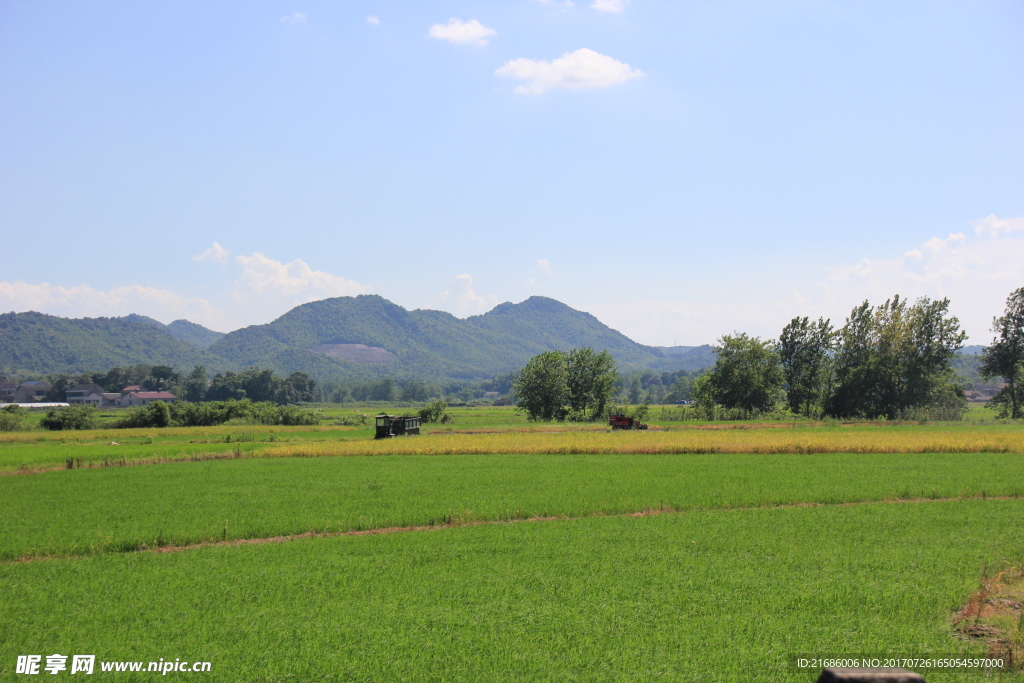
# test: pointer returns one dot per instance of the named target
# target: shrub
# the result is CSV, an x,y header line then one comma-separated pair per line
x,y
160,414
435,412
72,417
13,419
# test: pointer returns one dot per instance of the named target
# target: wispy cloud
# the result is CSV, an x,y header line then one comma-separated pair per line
x,y
544,265
294,18
85,301
615,6
580,69
264,275
998,226
373,20
461,298
470,32
215,254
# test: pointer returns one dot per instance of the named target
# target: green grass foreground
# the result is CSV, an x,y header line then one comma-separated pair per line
x,y
720,595
121,509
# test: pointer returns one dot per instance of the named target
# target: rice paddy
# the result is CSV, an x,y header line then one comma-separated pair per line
x,y
701,553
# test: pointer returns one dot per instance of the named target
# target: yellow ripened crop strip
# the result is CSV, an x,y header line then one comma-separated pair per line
x,y
682,441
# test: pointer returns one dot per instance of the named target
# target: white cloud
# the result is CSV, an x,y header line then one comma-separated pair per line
x,y
216,254
84,301
294,18
998,226
374,20
615,6
580,69
462,300
544,265
264,275
470,32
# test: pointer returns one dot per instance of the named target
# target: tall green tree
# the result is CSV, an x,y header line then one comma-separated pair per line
x,y
894,358
590,382
541,387
805,350
555,385
1005,357
747,374
194,386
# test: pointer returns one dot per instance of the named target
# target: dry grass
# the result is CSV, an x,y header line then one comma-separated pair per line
x,y
995,615
868,440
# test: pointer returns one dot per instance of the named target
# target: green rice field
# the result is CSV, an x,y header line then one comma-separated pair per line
x,y
508,566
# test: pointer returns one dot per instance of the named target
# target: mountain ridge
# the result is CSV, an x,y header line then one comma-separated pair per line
x,y
377,336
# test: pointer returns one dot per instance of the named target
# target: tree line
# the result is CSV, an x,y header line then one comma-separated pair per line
x,y
888,361
891,361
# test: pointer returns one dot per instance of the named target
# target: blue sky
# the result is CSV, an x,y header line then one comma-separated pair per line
x,y
679,169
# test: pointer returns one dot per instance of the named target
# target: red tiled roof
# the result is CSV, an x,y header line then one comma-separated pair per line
x,y
153,394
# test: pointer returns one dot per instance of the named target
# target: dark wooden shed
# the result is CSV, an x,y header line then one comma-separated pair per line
x,y
396,425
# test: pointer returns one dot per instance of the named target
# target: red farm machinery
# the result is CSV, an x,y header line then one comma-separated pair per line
x,y
625,422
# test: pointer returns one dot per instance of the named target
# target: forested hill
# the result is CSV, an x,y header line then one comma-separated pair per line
x,y
186,331
36,343
333,338
426,343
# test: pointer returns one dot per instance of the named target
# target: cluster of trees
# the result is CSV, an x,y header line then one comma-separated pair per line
x,y
255,384
654,387
890,361
577,385
161,414
413,389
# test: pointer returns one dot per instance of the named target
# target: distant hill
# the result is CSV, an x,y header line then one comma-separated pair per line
x,y
691,357
186,331
972,350
318,337
36,343
334,338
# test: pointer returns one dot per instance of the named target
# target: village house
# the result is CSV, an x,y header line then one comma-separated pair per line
x,y
7,390
144,398
32,391
85,394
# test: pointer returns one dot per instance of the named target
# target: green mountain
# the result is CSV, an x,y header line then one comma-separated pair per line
x,y
361,336
35,343
368,335
186,331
